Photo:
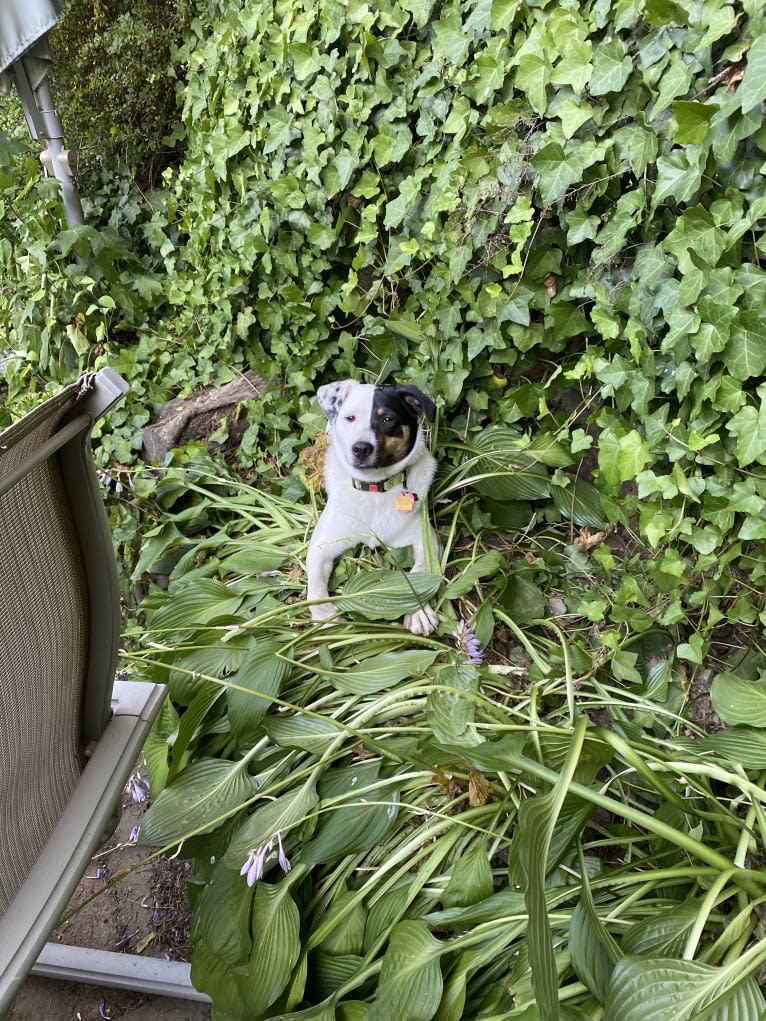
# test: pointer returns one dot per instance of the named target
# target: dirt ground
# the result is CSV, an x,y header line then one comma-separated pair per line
x,y
145,911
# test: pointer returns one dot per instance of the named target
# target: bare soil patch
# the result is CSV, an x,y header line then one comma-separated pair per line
x,y
123,903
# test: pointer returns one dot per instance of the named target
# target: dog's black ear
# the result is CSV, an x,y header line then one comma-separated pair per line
x,y
332,395
417,401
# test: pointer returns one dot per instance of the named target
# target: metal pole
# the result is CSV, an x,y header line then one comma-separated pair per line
x,y
45,124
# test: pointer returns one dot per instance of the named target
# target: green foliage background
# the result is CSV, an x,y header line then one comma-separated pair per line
x,y
550,216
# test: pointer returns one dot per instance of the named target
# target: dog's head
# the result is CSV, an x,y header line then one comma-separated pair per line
x,y
374,426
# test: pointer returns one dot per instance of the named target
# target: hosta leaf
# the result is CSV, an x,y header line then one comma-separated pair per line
x,y
537,821
590,959
278,816
194,604
261,670
354,824
743,745
662,989
579,502
503,904
739,701
376,673
222,916
410,985
485,566
199,799
156,747
275,929
471,878
308,733
512,473
331,971
450,712
380,594
662,933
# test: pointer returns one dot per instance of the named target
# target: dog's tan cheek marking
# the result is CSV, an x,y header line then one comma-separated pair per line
x,y
397,447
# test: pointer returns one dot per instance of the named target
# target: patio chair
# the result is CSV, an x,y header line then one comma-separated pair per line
x,y
69,733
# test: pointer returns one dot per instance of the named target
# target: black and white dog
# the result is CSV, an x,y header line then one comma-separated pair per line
x,y
377,470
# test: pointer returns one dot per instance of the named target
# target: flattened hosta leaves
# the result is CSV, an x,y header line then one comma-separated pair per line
x,y
471,878
199,799
308,733
590,959
580,502
376,673
380,594
278,816
275,929
410,986
738,701
662,989
356,823
741,745
194,604
452,711
663,933
261,671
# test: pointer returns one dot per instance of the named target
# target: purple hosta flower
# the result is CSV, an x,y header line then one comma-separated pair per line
x,y
138,788
133,835
257,858
104,1011
284,861
469,644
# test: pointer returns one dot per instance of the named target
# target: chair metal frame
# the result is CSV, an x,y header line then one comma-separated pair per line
x,y
115,716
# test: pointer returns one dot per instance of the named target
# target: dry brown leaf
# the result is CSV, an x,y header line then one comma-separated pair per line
x,y
479,789
588,540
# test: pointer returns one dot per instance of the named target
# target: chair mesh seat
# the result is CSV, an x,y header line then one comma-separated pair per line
x,y
42,655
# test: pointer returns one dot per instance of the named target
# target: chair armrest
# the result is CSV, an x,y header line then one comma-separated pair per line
x,y
38,905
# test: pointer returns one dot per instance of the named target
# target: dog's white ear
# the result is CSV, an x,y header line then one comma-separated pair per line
x,y
332,395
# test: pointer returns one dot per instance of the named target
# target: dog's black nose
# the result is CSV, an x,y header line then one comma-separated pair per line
x,y
362,451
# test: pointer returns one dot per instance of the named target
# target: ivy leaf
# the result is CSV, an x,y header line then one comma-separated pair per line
x,y
693,120
621,458
532,77
555,172
745,354
749,426
611,68
752,88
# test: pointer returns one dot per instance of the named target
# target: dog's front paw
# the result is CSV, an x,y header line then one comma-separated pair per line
x,y
423,622
323,611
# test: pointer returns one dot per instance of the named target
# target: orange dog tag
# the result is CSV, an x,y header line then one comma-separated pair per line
x,y
404,501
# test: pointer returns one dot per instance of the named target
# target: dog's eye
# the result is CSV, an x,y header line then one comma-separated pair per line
x,y
350,418
388,419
